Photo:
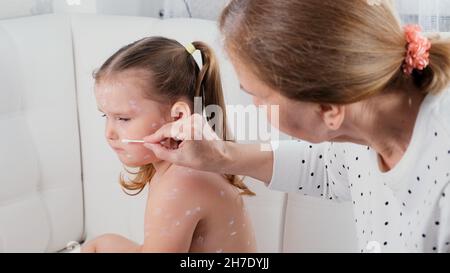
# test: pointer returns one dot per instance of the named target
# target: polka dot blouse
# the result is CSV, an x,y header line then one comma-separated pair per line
x,y
404,210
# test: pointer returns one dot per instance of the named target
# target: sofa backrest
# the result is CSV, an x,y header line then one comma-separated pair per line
x,y
41,202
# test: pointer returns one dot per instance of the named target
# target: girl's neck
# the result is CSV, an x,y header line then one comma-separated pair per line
x,y
386,124
161,168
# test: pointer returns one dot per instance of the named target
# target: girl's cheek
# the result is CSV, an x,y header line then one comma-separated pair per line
x,y
139,158
121,129
155,126
125,128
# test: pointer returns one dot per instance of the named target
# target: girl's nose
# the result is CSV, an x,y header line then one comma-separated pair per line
x,y
110,132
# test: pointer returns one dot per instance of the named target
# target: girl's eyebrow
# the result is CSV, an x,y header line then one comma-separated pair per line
x,y
114,113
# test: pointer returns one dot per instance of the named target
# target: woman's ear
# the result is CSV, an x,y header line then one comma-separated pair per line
x,y
332,115
180,110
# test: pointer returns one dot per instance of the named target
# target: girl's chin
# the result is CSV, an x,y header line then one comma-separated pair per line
x,y
131,162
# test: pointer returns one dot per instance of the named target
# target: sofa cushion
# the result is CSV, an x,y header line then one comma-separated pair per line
x,y
41,202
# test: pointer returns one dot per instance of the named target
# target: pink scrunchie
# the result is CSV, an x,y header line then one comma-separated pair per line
x,y
418,49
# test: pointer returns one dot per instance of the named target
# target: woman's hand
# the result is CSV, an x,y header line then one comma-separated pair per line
x,y
191,142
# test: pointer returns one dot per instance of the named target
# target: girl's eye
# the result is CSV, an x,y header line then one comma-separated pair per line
x,y
124,119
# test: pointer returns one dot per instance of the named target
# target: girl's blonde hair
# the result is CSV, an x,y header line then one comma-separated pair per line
x,y
328,51
172,73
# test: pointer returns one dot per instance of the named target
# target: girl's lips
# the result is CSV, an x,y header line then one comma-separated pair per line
x,y
118,149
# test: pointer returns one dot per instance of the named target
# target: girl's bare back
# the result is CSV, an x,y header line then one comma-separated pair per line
x,y
193,211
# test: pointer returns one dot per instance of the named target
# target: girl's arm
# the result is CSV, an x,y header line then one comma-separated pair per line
x,y
174,208
110,243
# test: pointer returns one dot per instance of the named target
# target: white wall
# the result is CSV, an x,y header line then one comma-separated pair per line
x,y
148,8
200,8
18,8
205,9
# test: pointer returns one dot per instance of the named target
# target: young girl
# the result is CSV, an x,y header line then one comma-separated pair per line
x,y
140,88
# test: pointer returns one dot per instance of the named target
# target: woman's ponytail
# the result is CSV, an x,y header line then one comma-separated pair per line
x,y
437,77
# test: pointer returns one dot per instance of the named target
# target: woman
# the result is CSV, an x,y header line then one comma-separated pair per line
x,y
372,95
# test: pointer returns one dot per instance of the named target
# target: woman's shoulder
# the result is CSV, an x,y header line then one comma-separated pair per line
x,y
435,111
439,105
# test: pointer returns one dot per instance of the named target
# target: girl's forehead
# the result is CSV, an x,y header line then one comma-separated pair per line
x,y
123,88
122,97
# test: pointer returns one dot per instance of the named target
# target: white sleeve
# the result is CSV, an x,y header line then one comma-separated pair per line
x,y
444,221
300,167
286,165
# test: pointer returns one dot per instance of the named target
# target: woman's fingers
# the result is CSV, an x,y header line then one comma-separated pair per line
x,y
188,142
163,153
190,128
167,131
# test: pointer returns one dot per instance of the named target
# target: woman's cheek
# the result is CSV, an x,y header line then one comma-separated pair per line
x,y
256,101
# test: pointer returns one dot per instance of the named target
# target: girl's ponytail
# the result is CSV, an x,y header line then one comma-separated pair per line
x,y
209,87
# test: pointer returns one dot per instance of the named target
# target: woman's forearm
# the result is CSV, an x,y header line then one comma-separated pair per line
x,y
252,160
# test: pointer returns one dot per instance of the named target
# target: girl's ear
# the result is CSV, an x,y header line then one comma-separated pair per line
x,y
180,110
332,115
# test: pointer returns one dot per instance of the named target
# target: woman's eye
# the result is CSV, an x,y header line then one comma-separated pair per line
x,y
124,119
104,116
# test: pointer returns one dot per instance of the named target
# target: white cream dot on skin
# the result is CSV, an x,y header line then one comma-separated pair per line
x,y
177,223
188,212
197,209
233,233
146,157
200,240
164,232
129,156
222,193
171,195
219,250
231,222
157,211
134,106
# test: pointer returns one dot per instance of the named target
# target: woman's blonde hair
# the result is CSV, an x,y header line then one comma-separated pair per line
x,y
328,51
172,73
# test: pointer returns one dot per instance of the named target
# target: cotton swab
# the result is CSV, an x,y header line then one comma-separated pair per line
x,y
132,141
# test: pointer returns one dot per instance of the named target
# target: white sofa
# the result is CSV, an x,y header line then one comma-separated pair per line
x,y
58,178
